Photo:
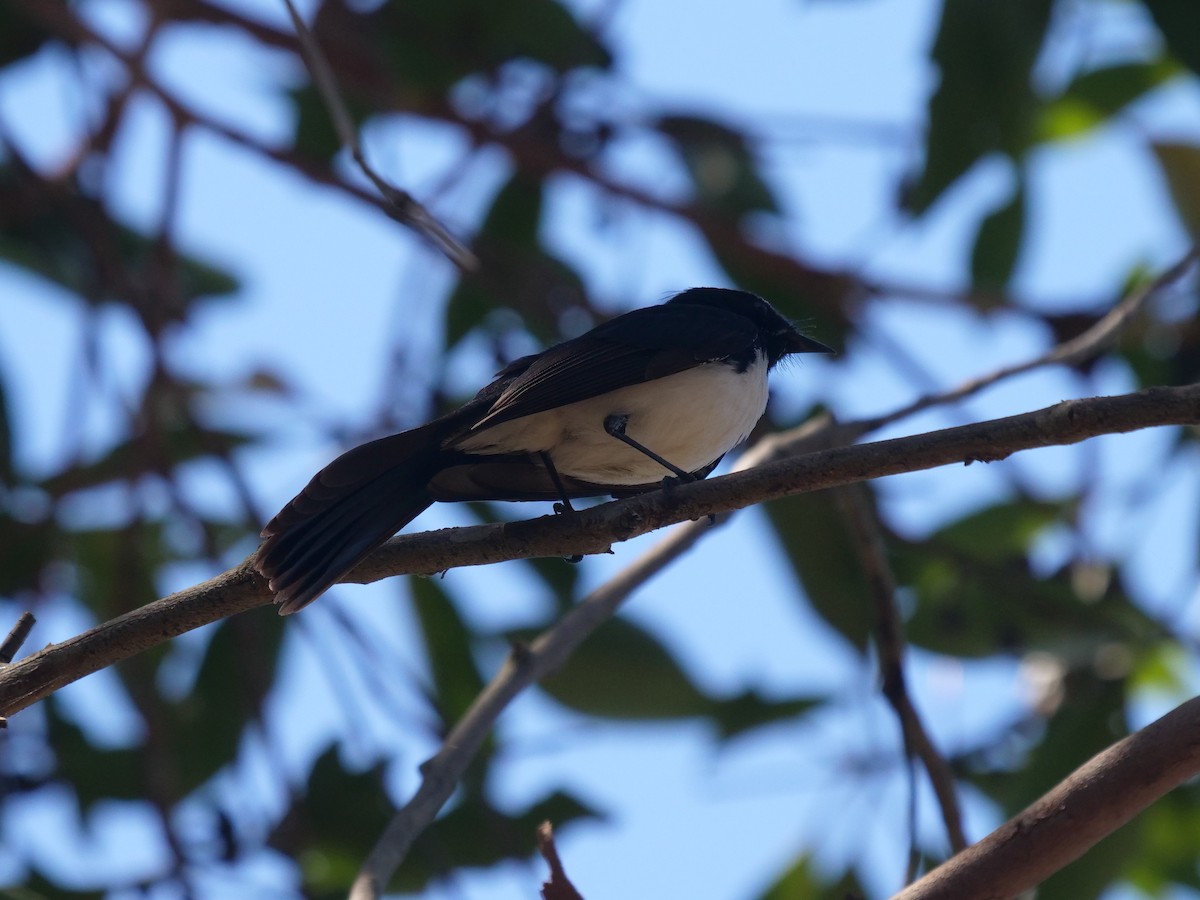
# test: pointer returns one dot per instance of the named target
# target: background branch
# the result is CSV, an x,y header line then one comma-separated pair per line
x,y
401,205
890,645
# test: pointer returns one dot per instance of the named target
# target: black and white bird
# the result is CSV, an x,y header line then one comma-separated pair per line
x,y
657,393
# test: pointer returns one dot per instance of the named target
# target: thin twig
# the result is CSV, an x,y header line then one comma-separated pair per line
x,y
1087,345
400,204
890,644
559,886
16,637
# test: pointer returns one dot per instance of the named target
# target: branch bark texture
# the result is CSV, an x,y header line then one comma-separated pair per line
x,y
1094,801
596,530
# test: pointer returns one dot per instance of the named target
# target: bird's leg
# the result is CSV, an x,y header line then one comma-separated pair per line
x,y
565,506
615,426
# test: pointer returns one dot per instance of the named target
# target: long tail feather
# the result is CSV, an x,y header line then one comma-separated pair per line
x,y
348,509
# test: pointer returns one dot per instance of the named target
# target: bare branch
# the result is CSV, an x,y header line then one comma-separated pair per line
x,y
1091,803
559,886
401,205
524,666
16,637
1072,352
890,644
595,530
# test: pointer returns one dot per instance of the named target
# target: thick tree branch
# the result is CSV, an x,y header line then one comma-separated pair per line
x,y
1091,803
595,530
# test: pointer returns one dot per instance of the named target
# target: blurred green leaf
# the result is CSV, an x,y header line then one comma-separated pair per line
x,y
998,242
1095,97
1163,669
984,102
750,710
1179,22
57,232
516,271
447,641
8,472
561,578
1003,532
158,451
210,721
725,175
822,553
26,548
475,834
977,594
804,881
115,568
19,37
94,773
623,672
976,609
328,842
424,47
35,886
1165,857
1093,874
510,229
1180,164
315,136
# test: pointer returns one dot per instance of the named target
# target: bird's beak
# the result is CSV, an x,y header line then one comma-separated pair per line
x,y
798,343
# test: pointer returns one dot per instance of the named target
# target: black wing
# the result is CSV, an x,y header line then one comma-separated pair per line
x,y
639,346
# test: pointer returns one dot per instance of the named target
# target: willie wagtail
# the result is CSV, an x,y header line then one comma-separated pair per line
x,y
654,393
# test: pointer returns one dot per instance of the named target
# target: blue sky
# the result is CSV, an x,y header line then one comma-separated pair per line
x,y
328,285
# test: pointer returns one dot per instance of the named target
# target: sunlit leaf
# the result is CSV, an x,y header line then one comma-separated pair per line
x,y
1096,96
1166,852
805,881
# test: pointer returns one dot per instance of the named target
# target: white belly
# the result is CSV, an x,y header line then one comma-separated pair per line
x,y
689,419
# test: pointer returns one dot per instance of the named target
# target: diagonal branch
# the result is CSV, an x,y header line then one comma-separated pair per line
x,y
1090,343
400,204
524,666
595,530
1091,803
891,645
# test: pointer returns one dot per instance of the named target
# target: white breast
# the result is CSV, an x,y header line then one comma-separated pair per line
x,y
689,419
